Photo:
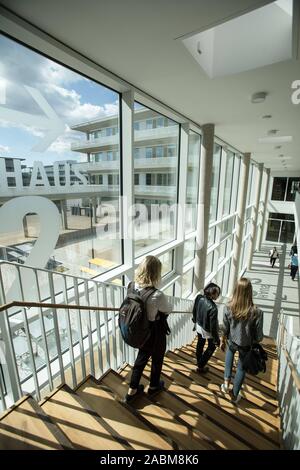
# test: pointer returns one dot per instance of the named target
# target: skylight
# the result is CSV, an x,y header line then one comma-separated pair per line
x,y
261,37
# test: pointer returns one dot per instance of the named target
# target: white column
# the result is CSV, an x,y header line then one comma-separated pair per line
x,y
243,187
265,206
255,218
207,149
127,199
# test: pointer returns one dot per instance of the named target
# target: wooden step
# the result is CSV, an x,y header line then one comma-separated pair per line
x,y
173,364
217,367
82,426
179,435
255,407
119,417
216,374
256,381
25,426
175,399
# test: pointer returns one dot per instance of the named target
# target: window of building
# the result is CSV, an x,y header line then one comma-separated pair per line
x,y
189,250
281,228
167,260
171,150
149,124
215,183
149,152
279,189
159,228
159,151
193,174
136,178
228,182
292,187
187,283
160,122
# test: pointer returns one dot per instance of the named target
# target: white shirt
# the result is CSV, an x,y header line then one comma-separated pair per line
x,y
205,334
157,302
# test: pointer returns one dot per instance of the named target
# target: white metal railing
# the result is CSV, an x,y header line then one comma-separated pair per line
x,y
63,328
288,346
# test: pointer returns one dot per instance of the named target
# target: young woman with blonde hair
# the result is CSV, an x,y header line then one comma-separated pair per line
x,y
147,280
242,326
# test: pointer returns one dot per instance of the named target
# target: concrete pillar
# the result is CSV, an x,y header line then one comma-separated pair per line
x,y
63,208
255,218
265,207
206,164
242,197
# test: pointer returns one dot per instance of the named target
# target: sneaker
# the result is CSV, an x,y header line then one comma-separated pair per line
x,y
154,391
130,398
235,399
202,370
224,388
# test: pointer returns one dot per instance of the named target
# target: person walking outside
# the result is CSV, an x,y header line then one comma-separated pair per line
x,y
273,256
148,277
242,326
205,317
294,265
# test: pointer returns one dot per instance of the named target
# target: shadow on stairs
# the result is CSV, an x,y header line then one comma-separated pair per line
x,y
190,413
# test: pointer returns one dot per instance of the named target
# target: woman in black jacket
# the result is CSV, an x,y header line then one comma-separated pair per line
x,y
205,317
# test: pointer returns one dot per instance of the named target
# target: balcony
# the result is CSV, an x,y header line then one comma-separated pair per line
x,y
147,135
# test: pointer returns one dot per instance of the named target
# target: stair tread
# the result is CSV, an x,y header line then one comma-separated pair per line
x,y
256,407
218,436
216,375
138,435
27,427
78,422
223,407
180,435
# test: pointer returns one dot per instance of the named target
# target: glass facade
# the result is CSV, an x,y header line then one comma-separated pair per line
x,y
60,135
81,175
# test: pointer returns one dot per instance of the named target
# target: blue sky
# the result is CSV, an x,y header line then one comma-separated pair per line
x,y
73,98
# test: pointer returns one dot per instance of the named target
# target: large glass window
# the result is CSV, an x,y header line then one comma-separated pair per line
x,y
279,189
48,115
189,250
187,283
156,200
215,183
167,262
292,187
192,181
228,182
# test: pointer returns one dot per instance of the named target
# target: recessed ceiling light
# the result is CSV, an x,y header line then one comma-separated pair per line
x,y
258,97
275,140
267,116
273,131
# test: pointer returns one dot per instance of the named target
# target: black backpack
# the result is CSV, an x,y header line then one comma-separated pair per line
x,y
255,360
133,320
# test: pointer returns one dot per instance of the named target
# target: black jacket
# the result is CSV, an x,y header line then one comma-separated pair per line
x,y
205,314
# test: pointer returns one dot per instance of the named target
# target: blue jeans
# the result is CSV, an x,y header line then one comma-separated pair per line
x,y
240,373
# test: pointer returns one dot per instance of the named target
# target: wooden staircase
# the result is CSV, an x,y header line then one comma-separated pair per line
x,y
191,413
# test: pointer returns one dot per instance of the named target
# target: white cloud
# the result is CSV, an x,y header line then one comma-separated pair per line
x,y
4,149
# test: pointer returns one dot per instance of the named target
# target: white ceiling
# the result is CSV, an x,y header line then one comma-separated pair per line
x,y
141,41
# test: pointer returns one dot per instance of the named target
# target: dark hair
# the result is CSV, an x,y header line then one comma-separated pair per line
x,y
211,290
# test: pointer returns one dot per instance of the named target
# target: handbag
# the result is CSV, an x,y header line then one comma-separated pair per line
x,y
255,360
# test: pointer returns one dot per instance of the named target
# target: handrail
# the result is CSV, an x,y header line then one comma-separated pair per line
x,y
65,306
